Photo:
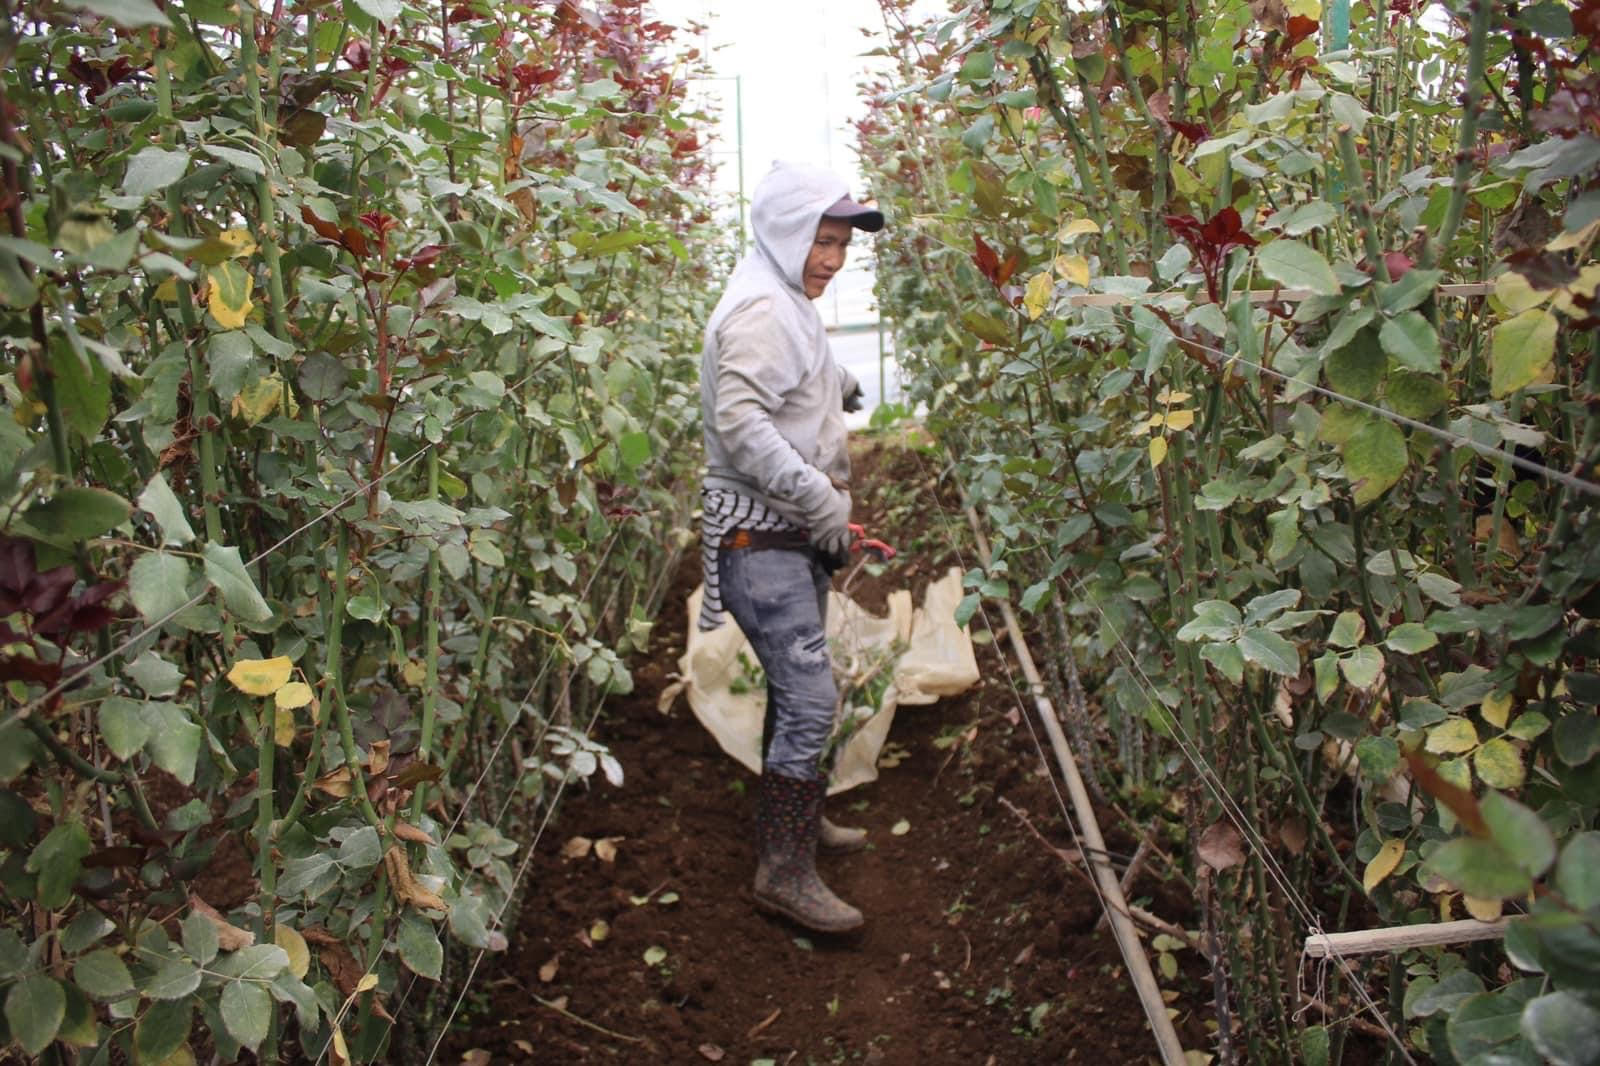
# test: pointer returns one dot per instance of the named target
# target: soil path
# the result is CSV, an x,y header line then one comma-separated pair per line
x,y
979,945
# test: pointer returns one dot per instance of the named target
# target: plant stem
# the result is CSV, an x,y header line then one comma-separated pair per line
x,y
1438,246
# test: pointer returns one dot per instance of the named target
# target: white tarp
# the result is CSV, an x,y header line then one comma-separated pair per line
x,y
923,654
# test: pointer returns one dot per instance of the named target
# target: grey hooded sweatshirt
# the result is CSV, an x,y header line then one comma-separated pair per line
x,y
770,391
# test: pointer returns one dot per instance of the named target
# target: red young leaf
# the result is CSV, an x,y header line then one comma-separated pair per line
x,y
324,229
988,262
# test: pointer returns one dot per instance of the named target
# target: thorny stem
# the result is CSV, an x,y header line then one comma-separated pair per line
x,y
1467,134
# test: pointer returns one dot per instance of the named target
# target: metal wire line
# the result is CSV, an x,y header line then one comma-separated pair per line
x,y
1235,815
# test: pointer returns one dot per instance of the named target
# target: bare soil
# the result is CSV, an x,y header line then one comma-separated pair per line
x,y
980,944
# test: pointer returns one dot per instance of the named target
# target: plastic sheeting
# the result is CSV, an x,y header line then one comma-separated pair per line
x,y
911,657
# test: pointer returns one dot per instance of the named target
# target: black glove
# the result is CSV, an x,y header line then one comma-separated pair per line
x,y
854,399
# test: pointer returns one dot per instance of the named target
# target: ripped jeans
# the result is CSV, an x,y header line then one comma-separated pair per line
x,y
780,600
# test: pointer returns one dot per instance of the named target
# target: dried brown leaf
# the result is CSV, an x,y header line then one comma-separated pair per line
x,y
1220,846
336,783
576,848
1292,833
547,972
406,887
229,936
605,849
711,1052
406,831
378,757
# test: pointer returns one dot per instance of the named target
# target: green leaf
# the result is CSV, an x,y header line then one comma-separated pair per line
x,y
163,1029
103,975
419,947
1362,666
173,979
1297,265
1265,606
635,448
1479,868
246,1012
1521,350
361,848
1415,395
387,11
200,938
174,743
58,860
979,66
258,962
13,954
967,608
1409,291
1379,757
83,393
153,170
1487,1023
1409,638
1227,658
1562,1028
1348,629
158,585
365,608
226,571
76,513
1411,340
1578,872
1356,370
1499,764
1374,459
123,726
1036,594
1520,832
35,1007
159,499
1270,651
79,1026
987,328
1423,1000
1315,1044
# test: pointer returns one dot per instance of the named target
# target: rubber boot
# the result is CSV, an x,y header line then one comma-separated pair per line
x,y
839,839
788,822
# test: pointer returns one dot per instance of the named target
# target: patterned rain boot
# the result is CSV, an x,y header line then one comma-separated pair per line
x,y
839,839
788,822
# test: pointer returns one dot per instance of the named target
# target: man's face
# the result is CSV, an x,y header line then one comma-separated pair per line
x,y
827,255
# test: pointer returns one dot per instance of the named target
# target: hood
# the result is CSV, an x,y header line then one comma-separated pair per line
x,y
787,208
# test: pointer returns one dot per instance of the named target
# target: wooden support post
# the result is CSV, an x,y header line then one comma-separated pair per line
x,y
1105,875
1401,937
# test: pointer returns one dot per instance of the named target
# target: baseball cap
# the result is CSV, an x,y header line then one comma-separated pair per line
x,y
858,215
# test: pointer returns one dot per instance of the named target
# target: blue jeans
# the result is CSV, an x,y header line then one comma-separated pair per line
x,y
780,600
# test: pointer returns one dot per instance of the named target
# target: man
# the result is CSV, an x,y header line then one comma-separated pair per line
x,y
776,505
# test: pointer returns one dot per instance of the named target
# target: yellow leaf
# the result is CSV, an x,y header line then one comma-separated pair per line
x,y
283,727
294,695
368,982
1167,396
1496,709
414,673
1452,737
1568,241
1180,420
1158,451
1513,292
1075,268
255,402
260,677
1078,227
229,297
1037,298
167,291
238,240
294,945
341,1050
599,930
1584,285
1383,864
1485,910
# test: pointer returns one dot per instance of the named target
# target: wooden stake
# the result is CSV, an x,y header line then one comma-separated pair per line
x,y
1133,954
1401,937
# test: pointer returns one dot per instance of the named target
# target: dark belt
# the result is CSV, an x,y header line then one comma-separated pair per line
x,y
765,540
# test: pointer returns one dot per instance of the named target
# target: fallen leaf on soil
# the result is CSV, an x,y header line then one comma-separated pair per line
x,y
406,887
476,1057
756,1029
229,936
406,831
524,1046
1221,846
605,849
576,848
547,972
599,930
559,1003
1024,955
901,828
711,1052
